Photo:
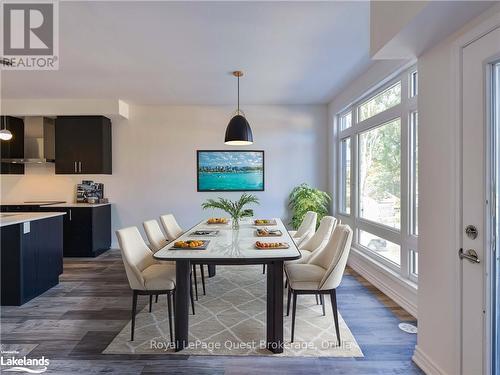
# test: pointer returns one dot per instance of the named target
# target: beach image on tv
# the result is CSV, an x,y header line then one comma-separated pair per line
x,y
230,170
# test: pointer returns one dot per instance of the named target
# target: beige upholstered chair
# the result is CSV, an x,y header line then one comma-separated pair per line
x,y
318,241
156,238
145,275
174,231
171,227
322,274
306,229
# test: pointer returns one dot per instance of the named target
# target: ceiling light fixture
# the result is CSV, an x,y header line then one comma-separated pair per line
x,y
238,131
5,134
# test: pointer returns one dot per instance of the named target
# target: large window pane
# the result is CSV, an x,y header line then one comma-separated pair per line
x,y
382,247
346,121
379,103
414,173
380,174
345,188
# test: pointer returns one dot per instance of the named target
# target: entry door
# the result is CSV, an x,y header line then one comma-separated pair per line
x,y
477,238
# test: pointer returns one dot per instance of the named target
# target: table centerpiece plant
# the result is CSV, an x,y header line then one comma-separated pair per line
x,y
235,209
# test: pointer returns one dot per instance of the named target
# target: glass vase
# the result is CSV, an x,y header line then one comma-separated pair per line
x,y
235,222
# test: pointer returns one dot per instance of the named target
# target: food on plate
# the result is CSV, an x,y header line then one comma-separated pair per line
x,y
268,232
263,221
189,244
270,245
217,220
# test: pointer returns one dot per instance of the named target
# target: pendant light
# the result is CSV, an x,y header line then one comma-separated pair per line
x,y
5,134
238,131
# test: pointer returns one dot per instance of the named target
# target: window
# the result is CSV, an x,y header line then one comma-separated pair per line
x,y
381,246
413,84
345,121
345,188
414,173
377,174
380,102
380,174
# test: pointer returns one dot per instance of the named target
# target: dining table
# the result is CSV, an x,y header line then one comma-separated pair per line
x,y
228,245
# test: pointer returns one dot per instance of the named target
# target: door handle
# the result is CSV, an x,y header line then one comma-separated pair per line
x,y
70,214
74,165
80,166
470,255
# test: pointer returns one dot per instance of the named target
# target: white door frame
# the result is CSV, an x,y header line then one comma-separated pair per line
x,y
476,33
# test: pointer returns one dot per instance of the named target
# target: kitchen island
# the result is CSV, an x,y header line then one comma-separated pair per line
x,y
31,254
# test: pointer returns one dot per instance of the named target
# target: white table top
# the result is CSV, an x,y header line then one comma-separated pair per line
x,y
232,245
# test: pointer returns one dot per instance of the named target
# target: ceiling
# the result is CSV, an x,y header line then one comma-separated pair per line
x,y
183,53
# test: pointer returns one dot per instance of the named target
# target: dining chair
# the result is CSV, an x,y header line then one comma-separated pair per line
x,y
174,231
318,241
306,229
156,238
145,275
322,274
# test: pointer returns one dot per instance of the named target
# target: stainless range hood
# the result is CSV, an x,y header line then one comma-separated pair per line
x,y
39,141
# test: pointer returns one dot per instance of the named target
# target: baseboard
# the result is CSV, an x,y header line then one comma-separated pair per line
x,y
400,291
426,364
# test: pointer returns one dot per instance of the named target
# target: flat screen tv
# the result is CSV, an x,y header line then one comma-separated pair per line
x,y
230,170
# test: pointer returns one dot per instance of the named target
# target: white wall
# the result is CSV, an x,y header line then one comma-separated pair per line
x,y
154,161
438,348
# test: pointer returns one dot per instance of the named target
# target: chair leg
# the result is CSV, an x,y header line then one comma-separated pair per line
x,y
134,309
192,299
322,300
263,268
288,301
203,278
333,297
317,301
294,309
156,300
150,302
169,303
195,282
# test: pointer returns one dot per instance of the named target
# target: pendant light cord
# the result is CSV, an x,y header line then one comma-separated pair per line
x,y
238,94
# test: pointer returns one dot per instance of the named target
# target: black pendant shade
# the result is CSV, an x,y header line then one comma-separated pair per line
x,y
238,131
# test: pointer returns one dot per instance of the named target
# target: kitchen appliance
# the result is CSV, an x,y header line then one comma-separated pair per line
x,y
89,192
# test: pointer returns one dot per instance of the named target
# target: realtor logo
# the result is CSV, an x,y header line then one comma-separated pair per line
x,y
30,36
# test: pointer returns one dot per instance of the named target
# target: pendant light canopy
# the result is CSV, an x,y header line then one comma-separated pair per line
x,y
5,134
238,131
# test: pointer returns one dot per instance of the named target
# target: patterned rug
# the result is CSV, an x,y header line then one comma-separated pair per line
x,y
231,320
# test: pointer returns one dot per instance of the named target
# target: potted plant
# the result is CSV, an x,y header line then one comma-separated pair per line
x,y
235,209
305,198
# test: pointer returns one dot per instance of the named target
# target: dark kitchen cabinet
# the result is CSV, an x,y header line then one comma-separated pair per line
x,y
87,230
83,145
13,148
31,259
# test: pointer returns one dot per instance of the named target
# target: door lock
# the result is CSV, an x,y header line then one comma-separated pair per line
x,y
471,232
470,255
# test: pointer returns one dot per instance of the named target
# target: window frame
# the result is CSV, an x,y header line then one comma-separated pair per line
x,y
402,237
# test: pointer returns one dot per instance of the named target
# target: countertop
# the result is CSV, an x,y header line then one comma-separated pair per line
x,y
11,218
69,205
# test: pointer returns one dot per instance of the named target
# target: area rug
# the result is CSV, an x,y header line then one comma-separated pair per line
x,y
231,320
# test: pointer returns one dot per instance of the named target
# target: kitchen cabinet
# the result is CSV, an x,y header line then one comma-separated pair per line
x,y
31,259
13,148
87,230
83,145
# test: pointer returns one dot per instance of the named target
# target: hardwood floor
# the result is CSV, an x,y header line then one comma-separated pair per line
x,y
74,322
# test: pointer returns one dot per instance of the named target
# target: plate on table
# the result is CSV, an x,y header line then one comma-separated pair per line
x,y
264,222
271,245
190,245
205,233
265,232
217,220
